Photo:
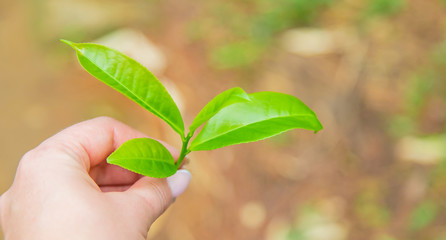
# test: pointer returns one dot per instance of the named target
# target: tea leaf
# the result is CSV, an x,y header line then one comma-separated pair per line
x,y
131,79
266,115
144,156
222,100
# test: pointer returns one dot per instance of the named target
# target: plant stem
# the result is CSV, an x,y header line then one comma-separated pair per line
x,y
184,151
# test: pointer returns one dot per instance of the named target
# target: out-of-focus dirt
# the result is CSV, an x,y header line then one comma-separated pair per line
x,y
349,173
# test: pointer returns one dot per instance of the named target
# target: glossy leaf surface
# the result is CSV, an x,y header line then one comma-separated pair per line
x,y
268,114
131,79
222,100
144,156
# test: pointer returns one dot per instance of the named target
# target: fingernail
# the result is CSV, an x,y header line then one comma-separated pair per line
x,y
179,182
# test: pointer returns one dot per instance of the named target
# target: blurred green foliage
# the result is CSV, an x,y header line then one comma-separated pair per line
x,y
239,34
383,8
311,219
417,90
237,54
245,31
423,215
369,207
419,87
426,83
437,176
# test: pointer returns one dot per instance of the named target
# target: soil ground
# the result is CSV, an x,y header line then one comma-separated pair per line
x,y
375,172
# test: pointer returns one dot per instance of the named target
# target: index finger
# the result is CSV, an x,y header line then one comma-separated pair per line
x,y
92,141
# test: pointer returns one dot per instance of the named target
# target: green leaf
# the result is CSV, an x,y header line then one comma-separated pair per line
x,y
222,100
131,79
144,156
268,114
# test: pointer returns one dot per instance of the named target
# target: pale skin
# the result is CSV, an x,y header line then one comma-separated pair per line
x,y
64,189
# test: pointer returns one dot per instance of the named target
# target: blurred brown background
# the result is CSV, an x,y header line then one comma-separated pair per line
x,y
373,71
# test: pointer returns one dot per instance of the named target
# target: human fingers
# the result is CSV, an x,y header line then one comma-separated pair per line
x,y
87,145
90,142
155,194
112,177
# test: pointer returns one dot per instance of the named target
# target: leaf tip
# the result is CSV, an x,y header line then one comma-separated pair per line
x,y
67,42
110,160
244,95
319,128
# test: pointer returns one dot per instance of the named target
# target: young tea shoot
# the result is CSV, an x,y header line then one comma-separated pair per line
x,y
232,117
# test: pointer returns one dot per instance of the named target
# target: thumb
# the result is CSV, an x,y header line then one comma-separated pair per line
x,y
158,194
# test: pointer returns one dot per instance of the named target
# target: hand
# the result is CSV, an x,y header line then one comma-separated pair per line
x,y
64,189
